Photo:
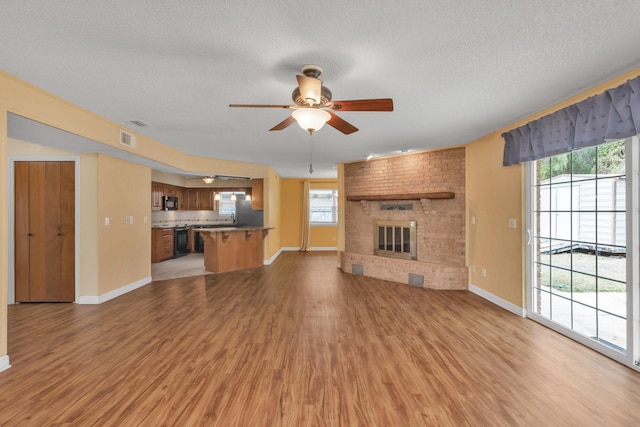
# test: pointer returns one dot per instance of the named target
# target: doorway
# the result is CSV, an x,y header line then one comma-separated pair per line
x,y
44,231
582,235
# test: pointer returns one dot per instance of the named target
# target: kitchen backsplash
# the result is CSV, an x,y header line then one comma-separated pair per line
x,y
171,218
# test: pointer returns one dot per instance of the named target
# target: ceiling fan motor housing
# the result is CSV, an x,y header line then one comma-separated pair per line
x,y
325,97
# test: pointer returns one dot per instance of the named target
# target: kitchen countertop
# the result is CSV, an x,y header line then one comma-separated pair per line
x,y
227,229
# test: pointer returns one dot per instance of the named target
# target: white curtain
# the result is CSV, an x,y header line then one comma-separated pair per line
x,y
306,229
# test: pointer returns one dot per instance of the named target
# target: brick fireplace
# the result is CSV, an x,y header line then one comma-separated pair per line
x,y
427,189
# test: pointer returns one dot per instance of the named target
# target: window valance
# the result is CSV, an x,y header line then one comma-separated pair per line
x,y
609,116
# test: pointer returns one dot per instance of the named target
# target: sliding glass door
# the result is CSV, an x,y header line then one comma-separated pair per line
x,y
580,279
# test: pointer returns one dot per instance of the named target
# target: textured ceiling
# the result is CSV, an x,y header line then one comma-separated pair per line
x,y
456,70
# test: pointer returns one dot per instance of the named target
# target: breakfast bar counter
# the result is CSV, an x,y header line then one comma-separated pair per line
x,y
233,248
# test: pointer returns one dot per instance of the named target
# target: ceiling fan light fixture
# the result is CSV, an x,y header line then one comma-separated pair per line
x,y
208,179
311,119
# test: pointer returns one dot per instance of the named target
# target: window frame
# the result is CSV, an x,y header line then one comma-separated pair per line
x,y
239,194
334,207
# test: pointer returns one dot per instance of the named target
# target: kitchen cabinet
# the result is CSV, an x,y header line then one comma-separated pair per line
x,y
157,191
175,191
233,248
161,244
199,199
257,188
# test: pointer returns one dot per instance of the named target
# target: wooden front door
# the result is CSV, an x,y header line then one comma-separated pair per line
x,y
45,231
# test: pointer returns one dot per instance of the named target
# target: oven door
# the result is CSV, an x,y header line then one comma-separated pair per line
x,y
181,242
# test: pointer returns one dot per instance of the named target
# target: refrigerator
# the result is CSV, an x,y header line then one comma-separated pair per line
x,y
247,216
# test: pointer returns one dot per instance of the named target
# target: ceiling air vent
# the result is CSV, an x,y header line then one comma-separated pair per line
x,y
140,123
127,139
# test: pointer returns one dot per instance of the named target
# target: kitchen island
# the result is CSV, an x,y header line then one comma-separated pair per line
x,y
233,248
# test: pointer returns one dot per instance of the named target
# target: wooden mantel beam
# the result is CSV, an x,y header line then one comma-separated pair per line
x,y
411,196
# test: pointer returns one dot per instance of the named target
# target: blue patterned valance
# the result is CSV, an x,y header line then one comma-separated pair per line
x,y
609,116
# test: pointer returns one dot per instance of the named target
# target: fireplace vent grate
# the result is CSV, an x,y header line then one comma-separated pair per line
x,y
416,280
400,207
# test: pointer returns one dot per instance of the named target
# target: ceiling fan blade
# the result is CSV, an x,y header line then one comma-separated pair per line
x,y
261,106
342,125
310,88
381,104
284,124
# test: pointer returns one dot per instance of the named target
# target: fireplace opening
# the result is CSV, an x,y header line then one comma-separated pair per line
x,y
396,239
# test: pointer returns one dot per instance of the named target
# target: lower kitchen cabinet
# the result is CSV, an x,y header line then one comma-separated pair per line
x,y
161,244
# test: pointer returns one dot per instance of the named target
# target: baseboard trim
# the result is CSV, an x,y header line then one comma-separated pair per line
x,y
273,258
99,299
4,363
518,311
290,248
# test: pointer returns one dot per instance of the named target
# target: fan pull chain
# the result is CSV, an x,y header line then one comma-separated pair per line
x,y
310,151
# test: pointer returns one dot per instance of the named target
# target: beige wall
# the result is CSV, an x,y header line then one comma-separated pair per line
x,y
272,194
124,250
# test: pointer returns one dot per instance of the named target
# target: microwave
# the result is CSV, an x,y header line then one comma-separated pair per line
x,y
170,203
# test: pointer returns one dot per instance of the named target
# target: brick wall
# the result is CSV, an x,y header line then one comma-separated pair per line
x,y
440,223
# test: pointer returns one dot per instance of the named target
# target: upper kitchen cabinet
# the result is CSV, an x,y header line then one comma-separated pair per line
x,y
199,199
157,191
257,202
175,191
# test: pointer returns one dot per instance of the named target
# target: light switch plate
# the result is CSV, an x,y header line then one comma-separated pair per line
x,y
106,220
512,223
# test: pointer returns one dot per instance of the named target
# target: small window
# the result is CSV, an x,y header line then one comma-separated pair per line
x,y
228,206
323,207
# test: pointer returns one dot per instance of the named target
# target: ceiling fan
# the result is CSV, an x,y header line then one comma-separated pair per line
x,y
314,107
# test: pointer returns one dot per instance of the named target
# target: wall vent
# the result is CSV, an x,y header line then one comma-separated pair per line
x,y
398,207
357,269
416,280
127,139
140,123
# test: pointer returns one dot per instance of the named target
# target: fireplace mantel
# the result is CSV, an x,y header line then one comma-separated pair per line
x,y
410,196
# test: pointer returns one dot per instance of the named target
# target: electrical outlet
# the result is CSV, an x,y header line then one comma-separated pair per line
x,y
145,219
473,268
484,272
512,223
106,220
473,220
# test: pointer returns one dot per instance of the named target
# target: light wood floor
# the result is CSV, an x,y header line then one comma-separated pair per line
x,y
299,343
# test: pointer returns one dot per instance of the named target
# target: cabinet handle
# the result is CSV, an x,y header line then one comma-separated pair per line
x,y
29,234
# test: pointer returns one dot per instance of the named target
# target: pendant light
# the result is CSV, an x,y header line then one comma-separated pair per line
x,y
233,195
208,179
216,194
